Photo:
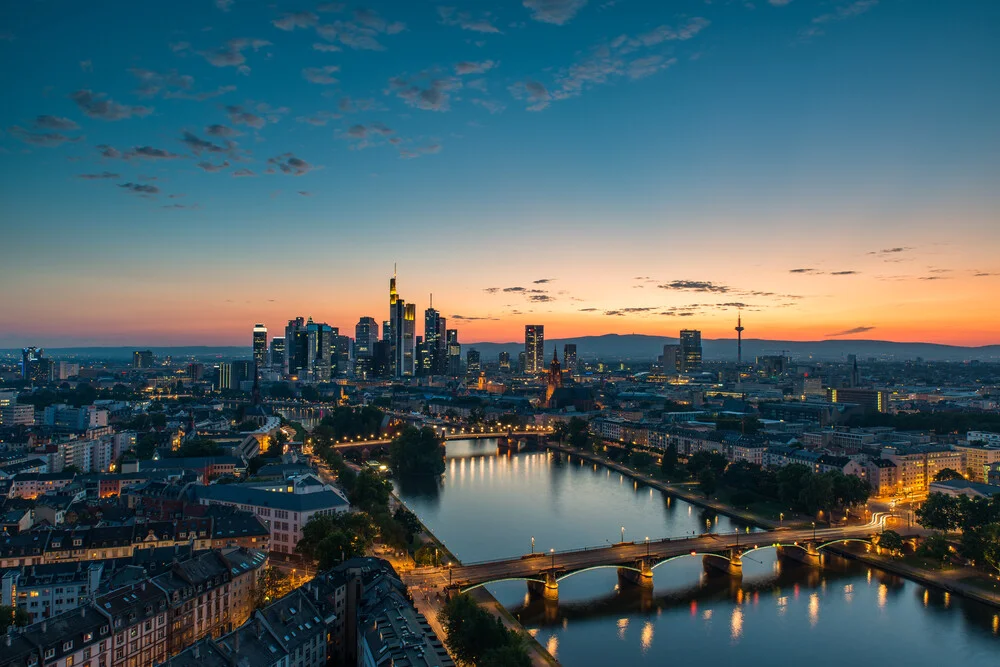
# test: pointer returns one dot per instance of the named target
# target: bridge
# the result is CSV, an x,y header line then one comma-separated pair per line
x,y
636,562
451,433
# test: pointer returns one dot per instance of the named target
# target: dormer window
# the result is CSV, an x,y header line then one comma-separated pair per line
x,y
77,542
67,646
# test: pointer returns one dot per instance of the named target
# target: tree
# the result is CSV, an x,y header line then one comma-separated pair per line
x,y
946,474
409,521
669,462
939,512
416,452
707,481
706,460
577,433
891,541
273,584
477,637
935,547
511,655
991,549
640,459
328,540
370,493
16,616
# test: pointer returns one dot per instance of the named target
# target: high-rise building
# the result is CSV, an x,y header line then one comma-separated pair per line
x,y
142,359
434,347
278,353
503,359
260,345
365,337
320,350
454,352
341,363
242,373
472,362
670,362
225,375
534,348
569,358
296,348
852,361
402,328
409,342
522,361
690,350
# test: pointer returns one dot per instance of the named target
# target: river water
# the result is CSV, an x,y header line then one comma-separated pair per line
x,y
489,506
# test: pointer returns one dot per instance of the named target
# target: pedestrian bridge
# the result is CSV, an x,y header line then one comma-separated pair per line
x,y
636,562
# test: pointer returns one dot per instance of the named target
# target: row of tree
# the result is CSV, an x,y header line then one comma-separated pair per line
x,y
977,518
477,637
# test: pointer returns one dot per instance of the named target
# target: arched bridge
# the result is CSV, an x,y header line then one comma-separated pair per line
x,y
448,433
637,561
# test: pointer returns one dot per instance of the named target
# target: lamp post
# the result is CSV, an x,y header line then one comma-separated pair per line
x,y
781,519
647,546
814,531
552,552
532,545
623,533
449,574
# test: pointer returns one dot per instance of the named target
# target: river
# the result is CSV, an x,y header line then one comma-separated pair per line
x,y
489,506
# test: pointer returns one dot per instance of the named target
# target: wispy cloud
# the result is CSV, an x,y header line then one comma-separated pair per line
x,y
231,53
287,163
321,75
97,177
98,105
474,67
42,139
483,22
850,332
424,92
140,188
557,12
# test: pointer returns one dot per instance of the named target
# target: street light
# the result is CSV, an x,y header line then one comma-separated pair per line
x,y
532,545
552,552
647,546
814,531
623,533
781,519
449,574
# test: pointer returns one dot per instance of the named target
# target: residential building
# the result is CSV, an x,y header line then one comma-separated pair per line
x,y
916,466
979,456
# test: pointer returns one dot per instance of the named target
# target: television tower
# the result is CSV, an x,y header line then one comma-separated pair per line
x,y
739,339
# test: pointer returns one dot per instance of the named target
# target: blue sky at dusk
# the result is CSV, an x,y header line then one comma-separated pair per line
x,y
173,172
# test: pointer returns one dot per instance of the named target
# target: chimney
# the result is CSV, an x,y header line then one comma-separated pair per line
x,y
83,611
197,651
45,626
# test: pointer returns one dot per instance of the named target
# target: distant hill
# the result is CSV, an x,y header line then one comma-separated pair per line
x,y
639,347
632,347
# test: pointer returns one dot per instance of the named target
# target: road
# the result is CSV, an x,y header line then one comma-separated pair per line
x,y
564,562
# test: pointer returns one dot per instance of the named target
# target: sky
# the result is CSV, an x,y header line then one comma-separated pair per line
x,y
172,173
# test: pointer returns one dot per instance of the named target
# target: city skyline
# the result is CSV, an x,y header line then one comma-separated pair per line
x,y
825,166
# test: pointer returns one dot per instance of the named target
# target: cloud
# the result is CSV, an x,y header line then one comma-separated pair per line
x,y
289,164
435,96
466,21
180,206
666,33
97,177
935,278
844,273
841,13
96,105
588,310
221,131
326,48
467,318
362,33
536,94
254,115
492,106
152,83
199,145
212,168
305,193
318,119
803,271
109,151
984,274
409,154
43,139
321,75
514,289
542,281
224,5
891,251
290,22
850,332
231,54
541,298
363,131
695,286
779,3
371,19
243,173
491,290
141,188
55,123
640,68
150,153
471,67
353,105
557,12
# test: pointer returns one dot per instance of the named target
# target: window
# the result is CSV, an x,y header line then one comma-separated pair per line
x,y
67,646
50,653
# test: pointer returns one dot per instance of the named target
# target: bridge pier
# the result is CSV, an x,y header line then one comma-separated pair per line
x,y
548,589
642,576
731,563
806,553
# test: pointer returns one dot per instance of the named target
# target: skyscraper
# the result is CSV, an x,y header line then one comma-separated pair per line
x,y
454,352
341,358
365,337
472,362
35,368
225,375
569,358
671,359
296,348
534,348
504,361
432,341
259,345
690,350
278,353
402,330
142,359
320,350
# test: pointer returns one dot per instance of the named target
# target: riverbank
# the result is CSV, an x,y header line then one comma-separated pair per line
x,y
688,495
429,602
951,581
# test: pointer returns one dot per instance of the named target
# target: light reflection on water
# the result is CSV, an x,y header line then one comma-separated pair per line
x,y
827,617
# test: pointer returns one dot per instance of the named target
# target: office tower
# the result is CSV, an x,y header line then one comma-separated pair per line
x,y
365,337
739,339
522,361
381,364
454,352
690,350
671,359
260,345
278,353
142,359
386,333
296,348
441,355
569,358
408,341
195,371
402,328
242,372
319,342
432,341
225,375
504,361
534,348
852,361
472,362
341,364
34,367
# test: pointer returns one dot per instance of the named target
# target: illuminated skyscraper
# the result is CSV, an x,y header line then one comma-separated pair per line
x,y
473,364
225,375
534,348
402,332
690,350
35,368
365,337
434,345
296,348
454,352
671,359
504,361
142,359
260,345
278,353
569,358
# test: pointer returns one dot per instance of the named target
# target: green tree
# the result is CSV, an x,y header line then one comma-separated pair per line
x,y
15,616
476,637
935,547
713,461
939,512
416,452
513,654
707,481
370,493
409,521
946,474
577,433
668,464
639,460
891,541
329,540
